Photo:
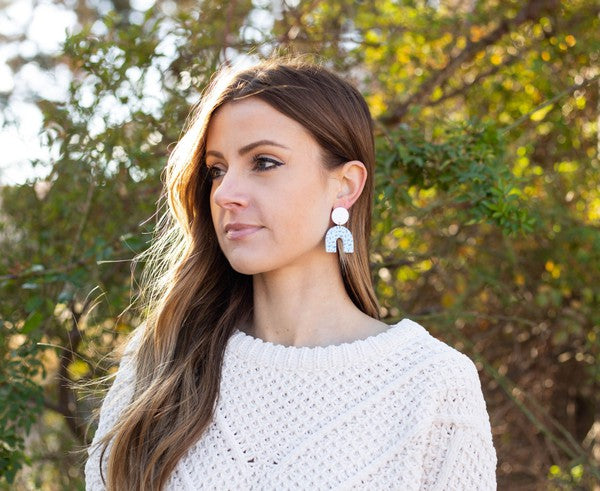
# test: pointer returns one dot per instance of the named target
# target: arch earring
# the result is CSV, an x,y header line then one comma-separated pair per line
x,y
339,216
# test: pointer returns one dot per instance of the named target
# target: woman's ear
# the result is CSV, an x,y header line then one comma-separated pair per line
x,y
351,179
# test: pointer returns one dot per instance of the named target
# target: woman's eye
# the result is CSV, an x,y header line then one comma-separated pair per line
x,y
261,164
213,171
265,163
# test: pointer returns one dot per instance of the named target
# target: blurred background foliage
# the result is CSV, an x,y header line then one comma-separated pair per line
x,y
487,213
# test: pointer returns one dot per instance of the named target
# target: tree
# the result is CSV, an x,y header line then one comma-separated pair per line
x,y
487,216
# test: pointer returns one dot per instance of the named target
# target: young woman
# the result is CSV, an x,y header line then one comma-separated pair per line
x,y
262,362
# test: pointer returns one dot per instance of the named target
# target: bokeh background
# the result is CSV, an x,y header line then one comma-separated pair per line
x,y
487,210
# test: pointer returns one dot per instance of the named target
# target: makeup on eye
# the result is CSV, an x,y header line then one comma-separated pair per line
x,y
257,160
262,158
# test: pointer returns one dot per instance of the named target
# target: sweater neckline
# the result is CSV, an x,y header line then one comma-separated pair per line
x,y
358,352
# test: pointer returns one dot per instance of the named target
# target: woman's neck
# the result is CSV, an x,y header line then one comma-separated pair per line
x,y
307,305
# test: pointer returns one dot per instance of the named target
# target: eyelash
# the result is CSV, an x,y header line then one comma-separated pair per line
x,y
256,159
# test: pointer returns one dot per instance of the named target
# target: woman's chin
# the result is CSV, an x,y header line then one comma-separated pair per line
x,y
248,267
246,271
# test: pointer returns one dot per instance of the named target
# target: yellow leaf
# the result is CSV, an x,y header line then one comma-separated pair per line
x,y
484,296
553,269
594,210
424,265
541,113
123,328
371,36
447,300
377,104
520,165
508,84
78,369
496,59
476,33
566,166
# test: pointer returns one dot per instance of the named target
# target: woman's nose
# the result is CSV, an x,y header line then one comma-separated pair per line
x,y
231,190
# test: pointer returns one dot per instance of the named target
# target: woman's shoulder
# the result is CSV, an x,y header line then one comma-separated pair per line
x,y
133,341
434,381
440,363
114,402
122,386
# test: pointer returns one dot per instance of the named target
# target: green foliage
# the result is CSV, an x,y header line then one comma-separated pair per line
x,y
487,210
22,399
566,479
466,164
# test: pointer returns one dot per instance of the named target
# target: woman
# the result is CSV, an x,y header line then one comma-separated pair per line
x,y
262,362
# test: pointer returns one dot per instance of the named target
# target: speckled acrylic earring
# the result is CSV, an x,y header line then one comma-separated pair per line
x,y
339,216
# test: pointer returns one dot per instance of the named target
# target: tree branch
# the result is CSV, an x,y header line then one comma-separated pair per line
x,y
533,10
552,100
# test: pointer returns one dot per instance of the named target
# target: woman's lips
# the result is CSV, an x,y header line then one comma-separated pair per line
x,y
234,234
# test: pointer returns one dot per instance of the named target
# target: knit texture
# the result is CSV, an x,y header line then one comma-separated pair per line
x,y
398,410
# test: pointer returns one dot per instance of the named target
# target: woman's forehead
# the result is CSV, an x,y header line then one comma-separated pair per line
x,y
253,119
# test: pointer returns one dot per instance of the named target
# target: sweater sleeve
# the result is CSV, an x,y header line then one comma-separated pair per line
x,y
115,401
459,450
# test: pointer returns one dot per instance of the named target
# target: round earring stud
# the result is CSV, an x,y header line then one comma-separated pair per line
x,y
340,215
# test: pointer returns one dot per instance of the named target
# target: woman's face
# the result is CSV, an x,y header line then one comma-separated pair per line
x,y
269,183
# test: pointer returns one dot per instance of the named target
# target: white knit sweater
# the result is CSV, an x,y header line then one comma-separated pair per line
x,y
398,410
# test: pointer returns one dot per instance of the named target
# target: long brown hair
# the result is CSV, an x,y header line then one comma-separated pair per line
x,y
192,298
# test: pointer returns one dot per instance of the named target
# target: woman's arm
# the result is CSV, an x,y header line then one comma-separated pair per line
x,y
115,401
459,451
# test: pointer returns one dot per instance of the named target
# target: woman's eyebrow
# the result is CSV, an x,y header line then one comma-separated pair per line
x,y
251,146
246,148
